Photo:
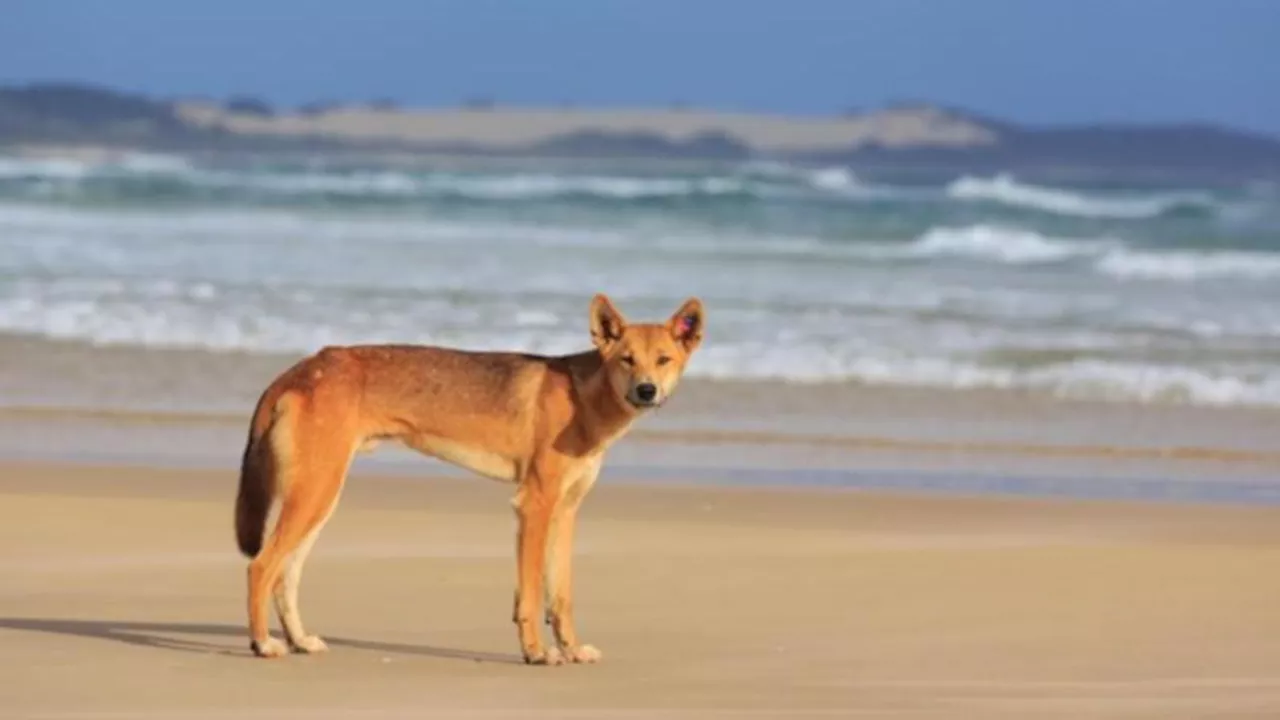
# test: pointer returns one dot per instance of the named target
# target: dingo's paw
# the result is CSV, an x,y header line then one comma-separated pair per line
x,y
269,648
310,645
551,656
582,654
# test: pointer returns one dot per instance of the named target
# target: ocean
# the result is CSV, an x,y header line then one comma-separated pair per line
x,y
813,275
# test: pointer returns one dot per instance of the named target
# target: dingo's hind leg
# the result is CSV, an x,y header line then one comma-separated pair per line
x,y
286,592
313,459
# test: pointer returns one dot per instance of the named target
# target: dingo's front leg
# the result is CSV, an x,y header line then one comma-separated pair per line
x,y
560,610
534,510
560,571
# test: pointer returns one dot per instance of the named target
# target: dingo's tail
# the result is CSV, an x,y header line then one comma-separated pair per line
x,y
258,471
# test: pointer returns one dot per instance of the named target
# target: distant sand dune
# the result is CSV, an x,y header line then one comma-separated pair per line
x,y
506,129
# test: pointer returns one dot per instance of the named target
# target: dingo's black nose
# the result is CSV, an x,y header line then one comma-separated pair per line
x,y
646,392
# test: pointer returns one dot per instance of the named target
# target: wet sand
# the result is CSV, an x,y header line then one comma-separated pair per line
x,y
123,597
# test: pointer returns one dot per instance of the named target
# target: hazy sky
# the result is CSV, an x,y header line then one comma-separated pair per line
x,y
1043,61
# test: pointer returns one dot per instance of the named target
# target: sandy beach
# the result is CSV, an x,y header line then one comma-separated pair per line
x,y
123,598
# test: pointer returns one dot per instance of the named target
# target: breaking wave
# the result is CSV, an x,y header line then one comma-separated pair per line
x,y
1005,190
1005,245
751,180
1190,266
760,180
139,173
1110,257
493,188
201,315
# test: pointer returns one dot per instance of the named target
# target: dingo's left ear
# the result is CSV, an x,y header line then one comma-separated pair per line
x,y
607,323
686,324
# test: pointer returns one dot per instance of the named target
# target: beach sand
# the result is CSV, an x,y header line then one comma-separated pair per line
x,y
123,597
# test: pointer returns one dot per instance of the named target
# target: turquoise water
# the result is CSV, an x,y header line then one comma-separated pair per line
x,y
810,274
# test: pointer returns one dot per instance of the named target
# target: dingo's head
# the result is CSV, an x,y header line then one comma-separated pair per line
x,y
644,361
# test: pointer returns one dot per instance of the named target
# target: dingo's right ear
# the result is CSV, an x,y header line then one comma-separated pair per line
x,y
607,323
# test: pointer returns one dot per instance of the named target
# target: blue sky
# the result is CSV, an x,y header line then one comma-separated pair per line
x,y
1040,61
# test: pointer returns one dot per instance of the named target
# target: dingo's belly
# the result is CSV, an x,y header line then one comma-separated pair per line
x,y
473,458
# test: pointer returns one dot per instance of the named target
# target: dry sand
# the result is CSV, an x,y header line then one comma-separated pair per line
x,y
123,597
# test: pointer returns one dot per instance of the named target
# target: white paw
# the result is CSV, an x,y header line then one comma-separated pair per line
x,y
583,654
310,645
551,656
269,648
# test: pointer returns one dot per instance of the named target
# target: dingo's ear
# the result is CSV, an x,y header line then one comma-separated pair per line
x,y
686,324
607,323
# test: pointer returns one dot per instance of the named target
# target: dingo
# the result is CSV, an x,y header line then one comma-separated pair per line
x,y
543,423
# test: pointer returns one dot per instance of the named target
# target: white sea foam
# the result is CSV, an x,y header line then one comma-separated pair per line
x,y
140,325
392,183
834,178
154,163
204,315
48,224
1003,244
493,187
1090,379
517,187
12,168
755,179
1189,265
832,181
201,315
478,187
47,232
294,183
1110,257
71,169
1004,189
36,231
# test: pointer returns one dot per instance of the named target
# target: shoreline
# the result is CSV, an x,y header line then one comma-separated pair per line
x,y
675,458
727,436
39,373
185,409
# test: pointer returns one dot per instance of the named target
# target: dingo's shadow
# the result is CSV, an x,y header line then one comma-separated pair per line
x,y
162,635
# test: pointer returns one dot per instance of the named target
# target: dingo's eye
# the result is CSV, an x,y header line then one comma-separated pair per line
x,y
628,359
663,360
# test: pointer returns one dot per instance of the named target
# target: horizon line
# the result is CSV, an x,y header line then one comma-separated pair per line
x,y
480,102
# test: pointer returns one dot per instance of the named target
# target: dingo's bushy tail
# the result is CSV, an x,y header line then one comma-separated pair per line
x,y
258,473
